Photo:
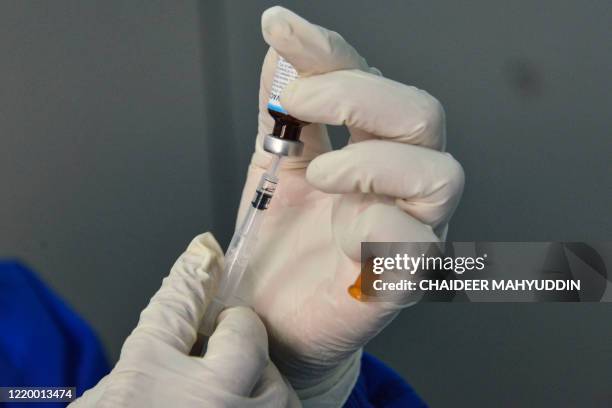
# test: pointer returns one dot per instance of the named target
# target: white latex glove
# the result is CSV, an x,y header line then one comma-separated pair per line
x,y
391,183
155,370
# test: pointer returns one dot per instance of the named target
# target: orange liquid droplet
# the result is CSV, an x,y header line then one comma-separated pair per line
x,y
366,271
355,289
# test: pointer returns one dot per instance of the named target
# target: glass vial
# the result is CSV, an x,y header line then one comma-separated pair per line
x,y
287,129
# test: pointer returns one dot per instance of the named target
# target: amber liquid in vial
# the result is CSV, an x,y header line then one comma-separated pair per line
x,y
286,126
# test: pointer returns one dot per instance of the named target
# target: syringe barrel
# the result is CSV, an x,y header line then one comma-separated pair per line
x,y
235,264
238,253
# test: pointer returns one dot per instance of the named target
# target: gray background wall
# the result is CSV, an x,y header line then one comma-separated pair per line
x,y
115,119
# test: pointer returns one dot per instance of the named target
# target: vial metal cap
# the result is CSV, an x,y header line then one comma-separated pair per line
x,y
283,147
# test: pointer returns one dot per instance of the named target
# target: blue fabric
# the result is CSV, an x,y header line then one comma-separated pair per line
x,y
42,341
379,386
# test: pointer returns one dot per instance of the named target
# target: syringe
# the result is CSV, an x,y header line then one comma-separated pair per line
x,y
240,248
284,141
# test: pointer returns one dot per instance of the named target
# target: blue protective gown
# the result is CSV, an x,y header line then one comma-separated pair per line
x,y
44,343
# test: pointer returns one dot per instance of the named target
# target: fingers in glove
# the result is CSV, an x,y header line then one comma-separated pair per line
x,y
311,50
378,221
375,106
237,351
426,184
174,313
274,390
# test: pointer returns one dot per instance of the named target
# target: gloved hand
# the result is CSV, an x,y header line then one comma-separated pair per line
x,y
392,182
155,370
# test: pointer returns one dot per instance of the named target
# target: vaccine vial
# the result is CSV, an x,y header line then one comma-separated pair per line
x,y
285,137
